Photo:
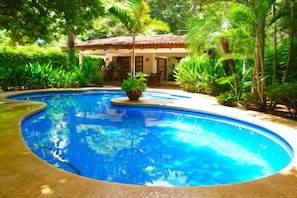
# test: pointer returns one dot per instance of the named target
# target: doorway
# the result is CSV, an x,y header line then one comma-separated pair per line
x,y
162,67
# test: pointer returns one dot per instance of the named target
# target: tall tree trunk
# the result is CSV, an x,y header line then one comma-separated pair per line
x,y
226,68
133,57
260,9
226,49
70,50
259,80
275,66
291,34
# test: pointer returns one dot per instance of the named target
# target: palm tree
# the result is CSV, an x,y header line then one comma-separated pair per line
x,y
261,10
208,32
136,19
291,35
212,32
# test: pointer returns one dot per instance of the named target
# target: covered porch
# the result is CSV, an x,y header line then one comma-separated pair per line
x,y
155,55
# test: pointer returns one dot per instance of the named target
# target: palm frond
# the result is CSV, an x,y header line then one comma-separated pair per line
x,y
123,16
153,24
136,18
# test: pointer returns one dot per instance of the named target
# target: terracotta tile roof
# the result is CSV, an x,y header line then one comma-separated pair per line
x,y
121,42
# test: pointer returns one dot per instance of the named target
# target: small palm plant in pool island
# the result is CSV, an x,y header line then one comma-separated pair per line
x,y
134,85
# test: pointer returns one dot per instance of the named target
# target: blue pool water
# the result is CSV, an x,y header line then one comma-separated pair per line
x,y
81,132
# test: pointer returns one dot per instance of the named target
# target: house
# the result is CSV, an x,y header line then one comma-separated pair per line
x,y
153,54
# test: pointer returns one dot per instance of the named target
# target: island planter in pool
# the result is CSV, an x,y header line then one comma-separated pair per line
x,y
134,85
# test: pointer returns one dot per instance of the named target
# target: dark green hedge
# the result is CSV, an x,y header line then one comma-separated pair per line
x,y
12,56
19,56
34,67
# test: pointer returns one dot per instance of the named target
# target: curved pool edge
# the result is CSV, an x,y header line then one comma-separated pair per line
x,y
25,175
175,104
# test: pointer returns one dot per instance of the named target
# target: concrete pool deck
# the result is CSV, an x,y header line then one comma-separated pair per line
x,y
22,174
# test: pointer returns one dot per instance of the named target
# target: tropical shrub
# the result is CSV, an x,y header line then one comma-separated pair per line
x,y
228,99
198,74
91,73
134,84
285,94
37,75
12,77
11,56
282,62
32,76
236,88
33,67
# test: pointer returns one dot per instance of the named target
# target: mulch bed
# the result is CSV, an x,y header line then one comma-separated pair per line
x,y
279,110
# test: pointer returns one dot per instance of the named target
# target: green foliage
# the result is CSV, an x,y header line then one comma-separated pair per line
x,y
175,13
228,99
26,21
11,77
205,29
25,77
187,73
134,84
281,57
136,18
91,72
29,21
228,80
217,30
11,56
198,74
75,16
239,84
36,75
104,27
285,93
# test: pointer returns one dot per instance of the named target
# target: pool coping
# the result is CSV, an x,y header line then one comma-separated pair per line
x,y
22,174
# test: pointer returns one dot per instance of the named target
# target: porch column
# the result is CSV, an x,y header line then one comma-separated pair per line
x,y
80,60
154,64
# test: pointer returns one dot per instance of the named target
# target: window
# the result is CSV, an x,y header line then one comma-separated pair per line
x,y
124,63
138,63
161,66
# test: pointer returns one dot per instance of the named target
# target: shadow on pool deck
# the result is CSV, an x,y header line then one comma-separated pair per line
x,y
22,174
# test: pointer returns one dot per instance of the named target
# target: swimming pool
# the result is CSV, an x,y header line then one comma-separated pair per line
x,y
149,146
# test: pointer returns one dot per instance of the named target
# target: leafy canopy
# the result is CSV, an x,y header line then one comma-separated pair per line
x,y
30,20
136,18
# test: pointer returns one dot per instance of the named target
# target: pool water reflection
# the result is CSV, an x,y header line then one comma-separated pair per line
x,y
84,134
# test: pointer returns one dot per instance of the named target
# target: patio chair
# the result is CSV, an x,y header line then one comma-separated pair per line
x,y
155,78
